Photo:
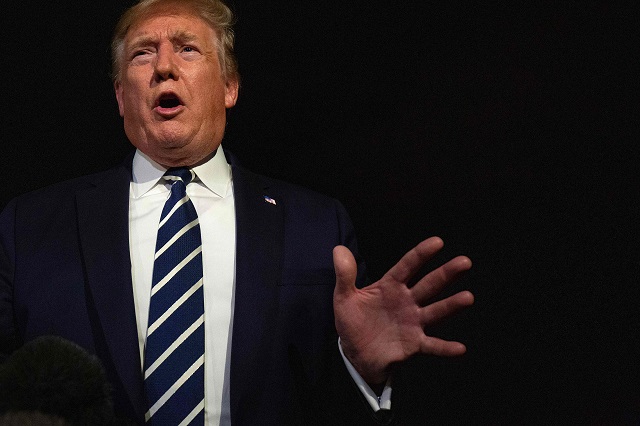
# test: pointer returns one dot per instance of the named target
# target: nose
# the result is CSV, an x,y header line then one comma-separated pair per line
x,y
165,66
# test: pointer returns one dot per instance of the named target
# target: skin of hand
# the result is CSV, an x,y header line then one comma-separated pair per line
x,y
383,323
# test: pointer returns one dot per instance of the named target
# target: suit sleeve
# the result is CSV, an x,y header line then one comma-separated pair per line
x,y
342,401
348,239
8,333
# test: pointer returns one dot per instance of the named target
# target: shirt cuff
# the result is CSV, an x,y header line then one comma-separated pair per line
x,y
376,402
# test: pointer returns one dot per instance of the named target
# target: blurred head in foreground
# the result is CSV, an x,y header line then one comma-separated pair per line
x,y
51,381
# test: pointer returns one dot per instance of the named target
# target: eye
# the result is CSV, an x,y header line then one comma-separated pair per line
x,y
140,53
189,52
189,49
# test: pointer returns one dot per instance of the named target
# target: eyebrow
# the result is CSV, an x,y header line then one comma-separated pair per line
x,y
179,36
182,36
140,42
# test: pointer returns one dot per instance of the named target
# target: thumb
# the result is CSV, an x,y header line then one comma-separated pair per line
x,y
346,271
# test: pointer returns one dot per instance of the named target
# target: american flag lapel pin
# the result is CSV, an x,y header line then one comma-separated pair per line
x,y
269,200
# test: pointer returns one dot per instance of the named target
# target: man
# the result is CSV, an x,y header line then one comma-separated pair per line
x,y
80,258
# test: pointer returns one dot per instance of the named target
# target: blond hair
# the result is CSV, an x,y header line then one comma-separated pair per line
x,y
213,12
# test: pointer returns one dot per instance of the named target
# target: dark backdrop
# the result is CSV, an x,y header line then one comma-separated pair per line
x,y
509,130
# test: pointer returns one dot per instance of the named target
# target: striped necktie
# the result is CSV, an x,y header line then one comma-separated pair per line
x,y
174,353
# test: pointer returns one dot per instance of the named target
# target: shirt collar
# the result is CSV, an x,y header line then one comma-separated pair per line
x,y
214,174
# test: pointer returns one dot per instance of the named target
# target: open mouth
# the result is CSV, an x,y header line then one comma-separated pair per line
x,y
168,101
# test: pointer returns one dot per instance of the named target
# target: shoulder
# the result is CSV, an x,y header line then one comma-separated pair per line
x,y
291,197
294,195
41,205
310,219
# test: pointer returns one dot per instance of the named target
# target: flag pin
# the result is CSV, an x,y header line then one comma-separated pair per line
x,y
269,200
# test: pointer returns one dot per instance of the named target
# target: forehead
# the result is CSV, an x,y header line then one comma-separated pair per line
x,y
170,21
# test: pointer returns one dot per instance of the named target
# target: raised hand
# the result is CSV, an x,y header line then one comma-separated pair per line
x,y
384,323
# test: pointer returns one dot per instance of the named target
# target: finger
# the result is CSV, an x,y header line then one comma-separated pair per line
x,y
413,260
433,283
441,309
439,347
346,271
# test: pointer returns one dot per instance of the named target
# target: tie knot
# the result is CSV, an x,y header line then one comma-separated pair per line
x,y
184,174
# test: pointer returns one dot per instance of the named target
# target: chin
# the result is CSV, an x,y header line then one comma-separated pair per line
x,y
178,156
170,140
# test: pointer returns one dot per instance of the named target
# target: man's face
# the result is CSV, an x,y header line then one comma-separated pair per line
x,y
171,92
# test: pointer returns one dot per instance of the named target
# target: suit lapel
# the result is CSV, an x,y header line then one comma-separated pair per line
x,y
103,222
103,228
259,256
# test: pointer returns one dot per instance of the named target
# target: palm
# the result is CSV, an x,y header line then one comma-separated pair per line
x,y
383,323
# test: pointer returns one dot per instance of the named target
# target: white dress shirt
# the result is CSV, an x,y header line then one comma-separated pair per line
x,y
212,195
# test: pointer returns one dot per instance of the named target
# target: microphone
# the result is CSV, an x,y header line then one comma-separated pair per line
x,y
53,381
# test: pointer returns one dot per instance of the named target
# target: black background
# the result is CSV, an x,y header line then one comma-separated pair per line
x,y
509,130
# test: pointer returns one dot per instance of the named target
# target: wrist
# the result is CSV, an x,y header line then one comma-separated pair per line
x,y
374,375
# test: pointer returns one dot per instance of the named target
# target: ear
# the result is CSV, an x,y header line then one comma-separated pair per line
x,y
117,86
231,92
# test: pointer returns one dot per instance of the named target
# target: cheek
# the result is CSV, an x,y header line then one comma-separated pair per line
x,y
212,103
134,90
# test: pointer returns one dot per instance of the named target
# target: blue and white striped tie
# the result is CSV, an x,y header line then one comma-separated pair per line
x,y
174,354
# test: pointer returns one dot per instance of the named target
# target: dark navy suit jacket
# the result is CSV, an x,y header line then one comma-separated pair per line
x,y
66,271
